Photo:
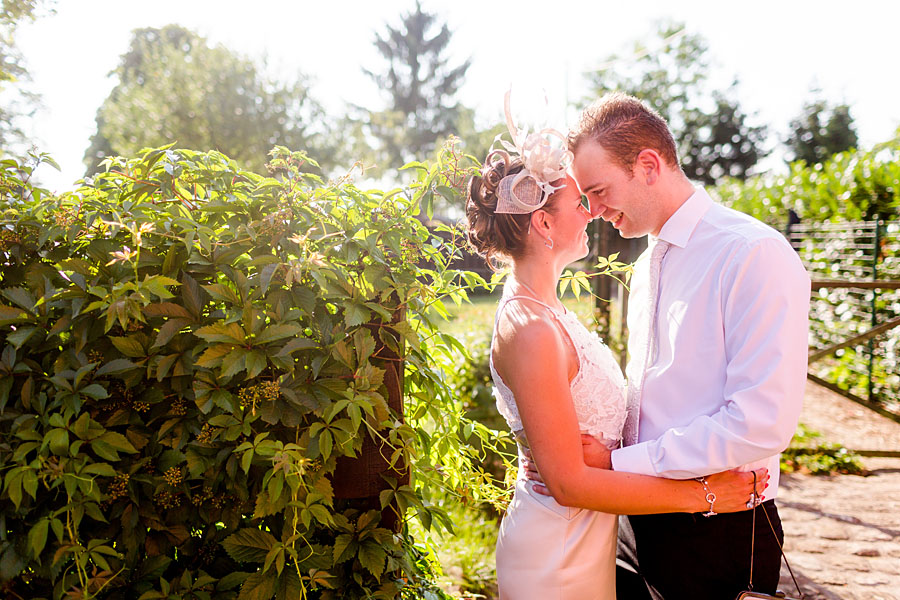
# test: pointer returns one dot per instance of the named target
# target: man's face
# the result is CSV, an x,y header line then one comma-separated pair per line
x,y
615,194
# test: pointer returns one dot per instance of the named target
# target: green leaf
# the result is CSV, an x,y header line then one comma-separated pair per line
x,y
191,294
166,309
128,346
20,297
118,365
58,440
297,344
344,547
223,293
168,331
37,536
355,314
249,545
117,441
95,391
255,362
277,332
8,313
102,469
157,286
371,556
221,332
258,586
20,336
234,362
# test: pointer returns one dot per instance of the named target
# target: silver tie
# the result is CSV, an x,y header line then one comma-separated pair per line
x,y
646,352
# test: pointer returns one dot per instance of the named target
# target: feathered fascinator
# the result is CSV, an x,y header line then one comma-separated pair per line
x,y
528,190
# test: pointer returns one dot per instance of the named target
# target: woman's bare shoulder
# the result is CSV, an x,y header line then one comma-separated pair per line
x,y
525,331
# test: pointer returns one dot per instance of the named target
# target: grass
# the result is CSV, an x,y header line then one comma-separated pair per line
x,y
477,315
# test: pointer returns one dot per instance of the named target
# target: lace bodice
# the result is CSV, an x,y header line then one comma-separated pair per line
x,y
598,389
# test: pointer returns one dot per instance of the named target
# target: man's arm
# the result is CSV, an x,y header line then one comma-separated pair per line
x,y
766,320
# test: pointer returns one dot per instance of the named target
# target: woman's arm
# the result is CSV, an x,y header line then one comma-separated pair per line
x,y
530,353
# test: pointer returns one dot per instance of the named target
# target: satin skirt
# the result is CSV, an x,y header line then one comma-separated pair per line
x,y
551,552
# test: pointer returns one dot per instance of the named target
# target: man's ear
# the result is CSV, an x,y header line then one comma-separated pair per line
x,y
648,165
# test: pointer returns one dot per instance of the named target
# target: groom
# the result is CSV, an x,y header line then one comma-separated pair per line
x,y
717,345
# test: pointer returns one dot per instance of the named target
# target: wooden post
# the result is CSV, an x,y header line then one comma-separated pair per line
x,y
360,477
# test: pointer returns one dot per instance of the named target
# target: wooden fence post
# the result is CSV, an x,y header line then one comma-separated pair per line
x,y
360,477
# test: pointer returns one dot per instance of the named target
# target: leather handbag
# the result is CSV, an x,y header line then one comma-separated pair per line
x,y
749,594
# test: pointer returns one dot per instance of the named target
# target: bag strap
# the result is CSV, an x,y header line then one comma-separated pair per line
x,y
775,535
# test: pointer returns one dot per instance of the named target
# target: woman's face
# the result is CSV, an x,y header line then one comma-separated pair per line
x,y
570,220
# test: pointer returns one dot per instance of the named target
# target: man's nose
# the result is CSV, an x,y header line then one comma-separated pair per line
x,y
598,209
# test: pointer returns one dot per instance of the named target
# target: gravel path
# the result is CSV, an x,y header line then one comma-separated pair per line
x,y
843,531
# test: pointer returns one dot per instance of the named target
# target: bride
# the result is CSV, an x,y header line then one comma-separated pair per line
x,y
560,388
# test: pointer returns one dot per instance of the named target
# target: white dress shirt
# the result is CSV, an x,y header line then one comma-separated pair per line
x,y
725,382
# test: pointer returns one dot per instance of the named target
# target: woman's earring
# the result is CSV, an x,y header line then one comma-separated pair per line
x,y
549,243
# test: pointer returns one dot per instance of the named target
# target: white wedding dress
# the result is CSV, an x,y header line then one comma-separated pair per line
x,y
546,550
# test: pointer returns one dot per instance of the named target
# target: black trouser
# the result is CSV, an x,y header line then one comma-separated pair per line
x,y
692,557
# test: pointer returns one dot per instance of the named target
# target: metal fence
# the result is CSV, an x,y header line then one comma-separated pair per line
x,y
855,308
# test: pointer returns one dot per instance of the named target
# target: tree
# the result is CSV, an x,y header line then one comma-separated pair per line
x,y
420,86
820,131
720,143
672,76
13,72
174,87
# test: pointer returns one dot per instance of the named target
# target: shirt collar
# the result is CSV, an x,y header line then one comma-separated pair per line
x,y
678,229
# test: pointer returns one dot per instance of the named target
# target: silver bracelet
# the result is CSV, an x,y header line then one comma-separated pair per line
x,y
710,496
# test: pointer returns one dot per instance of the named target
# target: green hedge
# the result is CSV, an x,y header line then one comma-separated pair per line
x,y
187,352
855,185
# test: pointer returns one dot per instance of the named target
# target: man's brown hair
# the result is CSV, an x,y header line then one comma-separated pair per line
x,y
623,126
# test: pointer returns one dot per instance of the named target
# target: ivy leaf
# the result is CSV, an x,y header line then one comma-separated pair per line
x,y
190,294
166,309
344,548
95,391
223,293
168,331
234,362
255,362
355,314
371,556
58,440
118,365
258,586
8,313
289,586
221,332
297,344
37,537
102,469
249,545
128,346
20,297
117,441
277,332
20,336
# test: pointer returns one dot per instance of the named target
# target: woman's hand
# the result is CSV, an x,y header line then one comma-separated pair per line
x,y
734,490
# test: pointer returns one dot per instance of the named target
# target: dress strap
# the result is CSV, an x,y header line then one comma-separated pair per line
x,y
505,301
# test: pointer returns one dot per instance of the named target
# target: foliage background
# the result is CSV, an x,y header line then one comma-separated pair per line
x,y
188,348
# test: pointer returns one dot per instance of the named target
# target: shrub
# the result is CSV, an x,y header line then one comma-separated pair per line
x,y
807,453
855,185
188,354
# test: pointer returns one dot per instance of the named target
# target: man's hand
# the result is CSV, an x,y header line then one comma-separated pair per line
x,y
596,455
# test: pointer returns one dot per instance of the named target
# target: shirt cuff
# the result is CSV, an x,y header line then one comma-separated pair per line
x,y
633,459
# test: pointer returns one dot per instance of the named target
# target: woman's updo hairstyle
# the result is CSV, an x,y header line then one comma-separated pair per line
x,y
496,237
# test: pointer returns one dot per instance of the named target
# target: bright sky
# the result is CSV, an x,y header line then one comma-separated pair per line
x,y
779,49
